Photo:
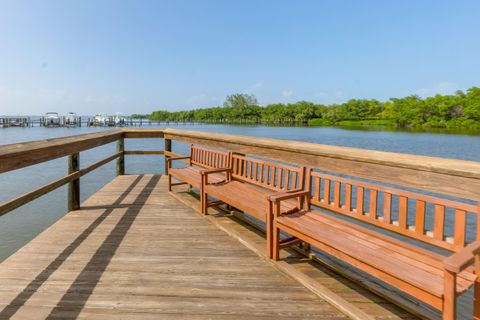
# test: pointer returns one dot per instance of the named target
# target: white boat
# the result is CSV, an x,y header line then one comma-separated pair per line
x,y
71,119
120,120
51,119
101,120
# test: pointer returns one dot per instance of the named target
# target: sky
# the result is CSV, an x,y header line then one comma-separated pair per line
x,y
140,56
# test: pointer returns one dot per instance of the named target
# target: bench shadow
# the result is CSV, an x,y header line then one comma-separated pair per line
x,y
87,280
98,262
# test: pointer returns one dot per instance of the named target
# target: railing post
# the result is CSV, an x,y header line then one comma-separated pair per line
x,y
74,186
121,158
168,147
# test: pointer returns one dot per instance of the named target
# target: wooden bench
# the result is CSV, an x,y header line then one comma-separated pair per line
x,y
249,184
200,159
433,278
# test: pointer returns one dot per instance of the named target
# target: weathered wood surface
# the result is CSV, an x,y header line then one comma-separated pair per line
x,y
133,251
345,294
446,176
20,155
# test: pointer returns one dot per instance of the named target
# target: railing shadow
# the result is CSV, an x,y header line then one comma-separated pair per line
x,y
98,262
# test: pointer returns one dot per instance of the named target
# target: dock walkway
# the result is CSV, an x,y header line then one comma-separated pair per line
x,y
134,251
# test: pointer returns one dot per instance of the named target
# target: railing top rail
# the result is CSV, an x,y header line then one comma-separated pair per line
x,y
452,177
20,155
432,164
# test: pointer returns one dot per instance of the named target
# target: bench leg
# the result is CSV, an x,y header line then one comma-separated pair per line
x,y
169,182
269,229
476,296
276,242
204,203
450,293
306,247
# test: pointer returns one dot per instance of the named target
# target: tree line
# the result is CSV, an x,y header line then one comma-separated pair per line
x,y
459,110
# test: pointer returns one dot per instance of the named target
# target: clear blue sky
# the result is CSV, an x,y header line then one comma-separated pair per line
x,y
139,56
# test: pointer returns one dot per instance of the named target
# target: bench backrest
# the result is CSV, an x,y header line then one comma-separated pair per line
x,y
208,158
269,175
410,214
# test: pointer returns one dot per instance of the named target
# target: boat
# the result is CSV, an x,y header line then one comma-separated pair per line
x,y
51,119
120,120
100,120
71,119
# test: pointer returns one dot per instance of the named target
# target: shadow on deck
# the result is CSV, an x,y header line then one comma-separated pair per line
x,y
133,251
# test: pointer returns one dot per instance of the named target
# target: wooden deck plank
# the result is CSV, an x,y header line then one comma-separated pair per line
x,y
133,251
343,291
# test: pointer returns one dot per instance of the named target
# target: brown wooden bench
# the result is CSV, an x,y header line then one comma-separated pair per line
x,y
200,159
250,183
433,278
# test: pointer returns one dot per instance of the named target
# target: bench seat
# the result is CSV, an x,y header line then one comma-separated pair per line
x,y
247,198
410,268
192,175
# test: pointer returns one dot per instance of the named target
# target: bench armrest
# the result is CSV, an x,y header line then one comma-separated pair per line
x,y
177,158
205,173
460,260
169,160
281,196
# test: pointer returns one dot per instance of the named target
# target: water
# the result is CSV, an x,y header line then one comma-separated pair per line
x,y
23,224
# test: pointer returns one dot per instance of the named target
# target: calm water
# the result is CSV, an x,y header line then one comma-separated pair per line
x,y
23,224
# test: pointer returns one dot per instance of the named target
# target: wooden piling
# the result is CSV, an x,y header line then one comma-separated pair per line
x,y
121,158
74,185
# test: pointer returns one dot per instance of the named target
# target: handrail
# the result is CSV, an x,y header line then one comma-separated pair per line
x,y
459,178
20,155
450,177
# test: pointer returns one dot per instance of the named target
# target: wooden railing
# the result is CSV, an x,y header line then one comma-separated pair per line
x,y
457,178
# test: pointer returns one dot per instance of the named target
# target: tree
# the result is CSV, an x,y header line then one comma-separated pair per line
x,y
240,101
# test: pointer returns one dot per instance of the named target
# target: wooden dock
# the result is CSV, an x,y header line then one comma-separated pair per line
x,y
136,250
125,254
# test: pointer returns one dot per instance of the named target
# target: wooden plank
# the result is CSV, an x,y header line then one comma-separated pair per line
x,y
373,204
387,208
144,152
126,255
20,155
420,217
403,212
446,176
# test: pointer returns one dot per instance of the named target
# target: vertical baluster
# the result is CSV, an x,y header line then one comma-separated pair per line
x,y
402,212
373,203
438,222
460,227
287,186
420,217
234,166
348,197
317,183
255,172
359,207
336,194
326,191
274,176
387,207
295,180
281,181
